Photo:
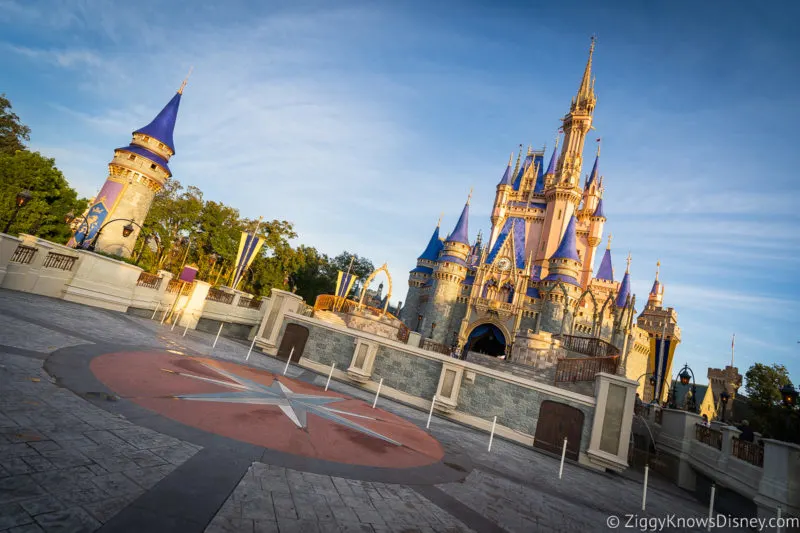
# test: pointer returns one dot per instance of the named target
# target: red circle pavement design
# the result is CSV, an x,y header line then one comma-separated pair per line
x,y
153,379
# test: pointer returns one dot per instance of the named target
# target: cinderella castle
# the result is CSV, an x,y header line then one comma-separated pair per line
x,y
531,294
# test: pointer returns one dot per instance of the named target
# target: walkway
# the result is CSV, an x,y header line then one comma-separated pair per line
x,y
75,456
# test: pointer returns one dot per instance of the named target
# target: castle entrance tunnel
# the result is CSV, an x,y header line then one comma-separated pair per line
x,y
487,339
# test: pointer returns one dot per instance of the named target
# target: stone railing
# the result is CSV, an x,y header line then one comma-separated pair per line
x,y
433,346
217,295
59,261
708,436
587,346
23,255
751,452
174,286
573,369
486,303
250,303
150,281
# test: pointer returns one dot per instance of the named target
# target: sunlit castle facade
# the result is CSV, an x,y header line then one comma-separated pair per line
x,y
532,291
137,172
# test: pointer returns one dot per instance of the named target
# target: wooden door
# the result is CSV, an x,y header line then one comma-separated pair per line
x,y
294,337
556,421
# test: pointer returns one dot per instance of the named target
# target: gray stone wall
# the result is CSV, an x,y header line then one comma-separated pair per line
x,y
441,310
413,375
230,330
411,308
515,406
325,345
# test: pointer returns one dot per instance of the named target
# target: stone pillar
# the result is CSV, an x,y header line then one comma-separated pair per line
x,y
780,482
280,303
166,277
8,246
414,339
611,430
192,304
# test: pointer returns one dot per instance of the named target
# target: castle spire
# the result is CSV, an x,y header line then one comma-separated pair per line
x,y
586,89
593,174
461,231
625,285
162,127
606,270
568,248
507,178
431,252
519,157
185,81
551,168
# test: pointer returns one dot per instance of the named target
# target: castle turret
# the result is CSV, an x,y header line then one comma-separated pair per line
x,y
504,189
606,270
450,272
562,191
419,277
624,286
565,263
656,296
137,172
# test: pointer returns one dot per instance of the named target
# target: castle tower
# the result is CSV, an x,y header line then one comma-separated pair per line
x,y
661,326
137,172
420,276
563,266
504,190
448,275
562,189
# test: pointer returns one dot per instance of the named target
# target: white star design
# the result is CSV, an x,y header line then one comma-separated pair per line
x,y
295,406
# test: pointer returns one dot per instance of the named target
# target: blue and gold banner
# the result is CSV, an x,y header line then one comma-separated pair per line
x,y
249,246
660,364
344,283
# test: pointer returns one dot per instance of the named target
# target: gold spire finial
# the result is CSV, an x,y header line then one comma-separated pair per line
x,y
628,268
470,195
530,149
439,224
185,81
585,90
658,267
608,246
510,158
598,146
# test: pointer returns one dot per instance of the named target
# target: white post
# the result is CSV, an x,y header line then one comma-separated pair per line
x,y
330,374
491,435
433,402
251,349
644,489
288,360
186,328
378,393
711,504
217,337
778,522
164,316
178,317
563,455
158,304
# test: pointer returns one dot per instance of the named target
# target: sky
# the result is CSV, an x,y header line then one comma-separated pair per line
x,y
361,122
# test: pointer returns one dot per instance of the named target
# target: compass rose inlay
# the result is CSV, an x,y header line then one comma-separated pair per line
x,y
295,406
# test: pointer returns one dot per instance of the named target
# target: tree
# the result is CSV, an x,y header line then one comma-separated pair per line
x,y
53,198
362,267
763,384
173,216
12,131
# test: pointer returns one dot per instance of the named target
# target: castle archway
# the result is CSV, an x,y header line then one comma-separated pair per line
x,y
487,339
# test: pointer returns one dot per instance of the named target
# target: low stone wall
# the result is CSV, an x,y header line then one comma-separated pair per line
x,y
415,376
230,329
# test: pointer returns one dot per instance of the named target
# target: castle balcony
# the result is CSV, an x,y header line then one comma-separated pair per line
x,y
589,346
574,369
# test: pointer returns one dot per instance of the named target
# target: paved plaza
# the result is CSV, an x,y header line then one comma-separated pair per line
x,y
110,422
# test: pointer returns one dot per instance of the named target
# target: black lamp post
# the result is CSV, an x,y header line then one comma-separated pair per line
x,y
127,229
724,397
789,395
685,375
23,197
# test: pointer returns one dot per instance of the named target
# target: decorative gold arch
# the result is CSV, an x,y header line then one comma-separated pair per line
x,y
382,268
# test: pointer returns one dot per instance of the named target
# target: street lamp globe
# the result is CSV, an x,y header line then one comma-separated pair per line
x,y
23,197
652,381
685,377
69,217
789,395
127,230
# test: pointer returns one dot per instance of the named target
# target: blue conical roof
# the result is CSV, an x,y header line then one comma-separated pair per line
x,y
568,249
593,175
598,211
461,231
435,245
624,289
162,127
507,178
605,272
551,168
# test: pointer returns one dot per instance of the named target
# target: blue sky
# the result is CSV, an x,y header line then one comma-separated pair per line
x,y
362,121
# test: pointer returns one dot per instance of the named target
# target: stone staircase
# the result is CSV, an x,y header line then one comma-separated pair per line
x,y
545,375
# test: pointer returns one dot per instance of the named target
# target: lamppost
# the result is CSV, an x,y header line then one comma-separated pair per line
x,y
789,395
127,229
23,197
684,376
724,397
69,218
